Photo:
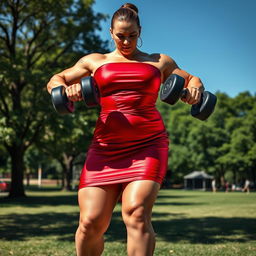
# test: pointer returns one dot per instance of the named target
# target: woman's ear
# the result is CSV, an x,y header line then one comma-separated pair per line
x,y
111,32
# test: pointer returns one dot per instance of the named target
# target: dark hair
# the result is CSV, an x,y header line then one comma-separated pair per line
x,y
127,12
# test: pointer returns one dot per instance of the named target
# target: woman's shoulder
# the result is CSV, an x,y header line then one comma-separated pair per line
x,y
92,60
160,58
162,61
163,58
92,57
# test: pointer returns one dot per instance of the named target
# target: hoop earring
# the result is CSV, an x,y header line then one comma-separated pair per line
x,y
141,42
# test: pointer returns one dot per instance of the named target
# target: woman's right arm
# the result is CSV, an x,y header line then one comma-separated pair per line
x,y
71,75
70,78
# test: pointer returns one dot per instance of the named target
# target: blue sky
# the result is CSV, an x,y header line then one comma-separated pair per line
x,y
212,39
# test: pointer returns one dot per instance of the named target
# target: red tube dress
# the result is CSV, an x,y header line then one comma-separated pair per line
x,y
130,141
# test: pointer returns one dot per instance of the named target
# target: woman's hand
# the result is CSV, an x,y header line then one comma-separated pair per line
x,y
74,92
193,95
194,88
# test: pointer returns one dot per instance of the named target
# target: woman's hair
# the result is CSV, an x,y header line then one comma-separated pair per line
x,y
127,12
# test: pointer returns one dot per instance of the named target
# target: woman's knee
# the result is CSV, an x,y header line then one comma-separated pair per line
x,y
90,225
137,217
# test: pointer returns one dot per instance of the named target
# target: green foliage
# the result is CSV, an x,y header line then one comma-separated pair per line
x,y
38,39
225,143
4,164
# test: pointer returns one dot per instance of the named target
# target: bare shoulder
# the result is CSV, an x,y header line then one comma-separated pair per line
x,y
89,61
167,60
168,65
161,59
163,62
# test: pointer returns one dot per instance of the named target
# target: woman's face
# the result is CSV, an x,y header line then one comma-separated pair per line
x,y
125,35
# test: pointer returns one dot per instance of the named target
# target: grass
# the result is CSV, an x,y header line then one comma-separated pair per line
x,y
192,223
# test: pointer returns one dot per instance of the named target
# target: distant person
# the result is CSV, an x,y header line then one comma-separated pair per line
x,y
129,152
214,189
226,186
246,186
233,187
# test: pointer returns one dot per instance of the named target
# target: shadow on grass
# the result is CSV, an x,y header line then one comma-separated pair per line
x,y
169,227
208,230
26,226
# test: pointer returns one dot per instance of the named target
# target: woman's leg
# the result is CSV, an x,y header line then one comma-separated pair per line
x,y
96,207
137,203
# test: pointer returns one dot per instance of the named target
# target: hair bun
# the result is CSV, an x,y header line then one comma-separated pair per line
x,y
130,6
127,12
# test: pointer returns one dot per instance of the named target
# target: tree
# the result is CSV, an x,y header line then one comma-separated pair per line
x,y
223,144
3,161
237,157
66,137
37,38
204,142
178,127
250,123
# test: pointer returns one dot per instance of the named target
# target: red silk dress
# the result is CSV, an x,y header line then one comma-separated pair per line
x,y
130,141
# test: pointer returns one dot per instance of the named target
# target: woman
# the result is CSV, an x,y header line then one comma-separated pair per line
x,y
129,152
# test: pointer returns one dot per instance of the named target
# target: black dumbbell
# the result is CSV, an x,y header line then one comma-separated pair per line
x,y
90,95
90,92
173,89
60,101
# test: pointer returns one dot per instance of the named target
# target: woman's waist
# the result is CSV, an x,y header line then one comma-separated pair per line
x,y
136,117
130,141
119,126
132,103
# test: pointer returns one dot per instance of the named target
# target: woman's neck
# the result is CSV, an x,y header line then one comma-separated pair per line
x,y
131,56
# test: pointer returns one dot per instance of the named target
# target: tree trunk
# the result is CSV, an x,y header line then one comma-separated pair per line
x,y
234,177
17,187
67,178
67,172
63,179
254,176
220,179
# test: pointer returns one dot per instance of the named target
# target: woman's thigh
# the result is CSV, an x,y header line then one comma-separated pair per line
x,y
139,195
97,203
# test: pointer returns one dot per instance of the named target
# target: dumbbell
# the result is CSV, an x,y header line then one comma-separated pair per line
x,y
90,95
173,89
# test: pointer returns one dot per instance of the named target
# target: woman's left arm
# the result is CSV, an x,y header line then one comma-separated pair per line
x,y
192,83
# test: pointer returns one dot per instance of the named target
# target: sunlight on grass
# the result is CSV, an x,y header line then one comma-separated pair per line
x,y
189,223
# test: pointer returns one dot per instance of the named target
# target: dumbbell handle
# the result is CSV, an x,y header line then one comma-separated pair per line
x,y
184,92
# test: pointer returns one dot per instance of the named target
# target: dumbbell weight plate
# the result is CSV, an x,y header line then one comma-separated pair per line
x,y
89,91
171,89
205,107
60,101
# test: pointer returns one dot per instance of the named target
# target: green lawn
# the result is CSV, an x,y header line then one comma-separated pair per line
x,y
189,223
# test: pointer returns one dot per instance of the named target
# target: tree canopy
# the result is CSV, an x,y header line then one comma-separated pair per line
x,y
223,146
37,39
